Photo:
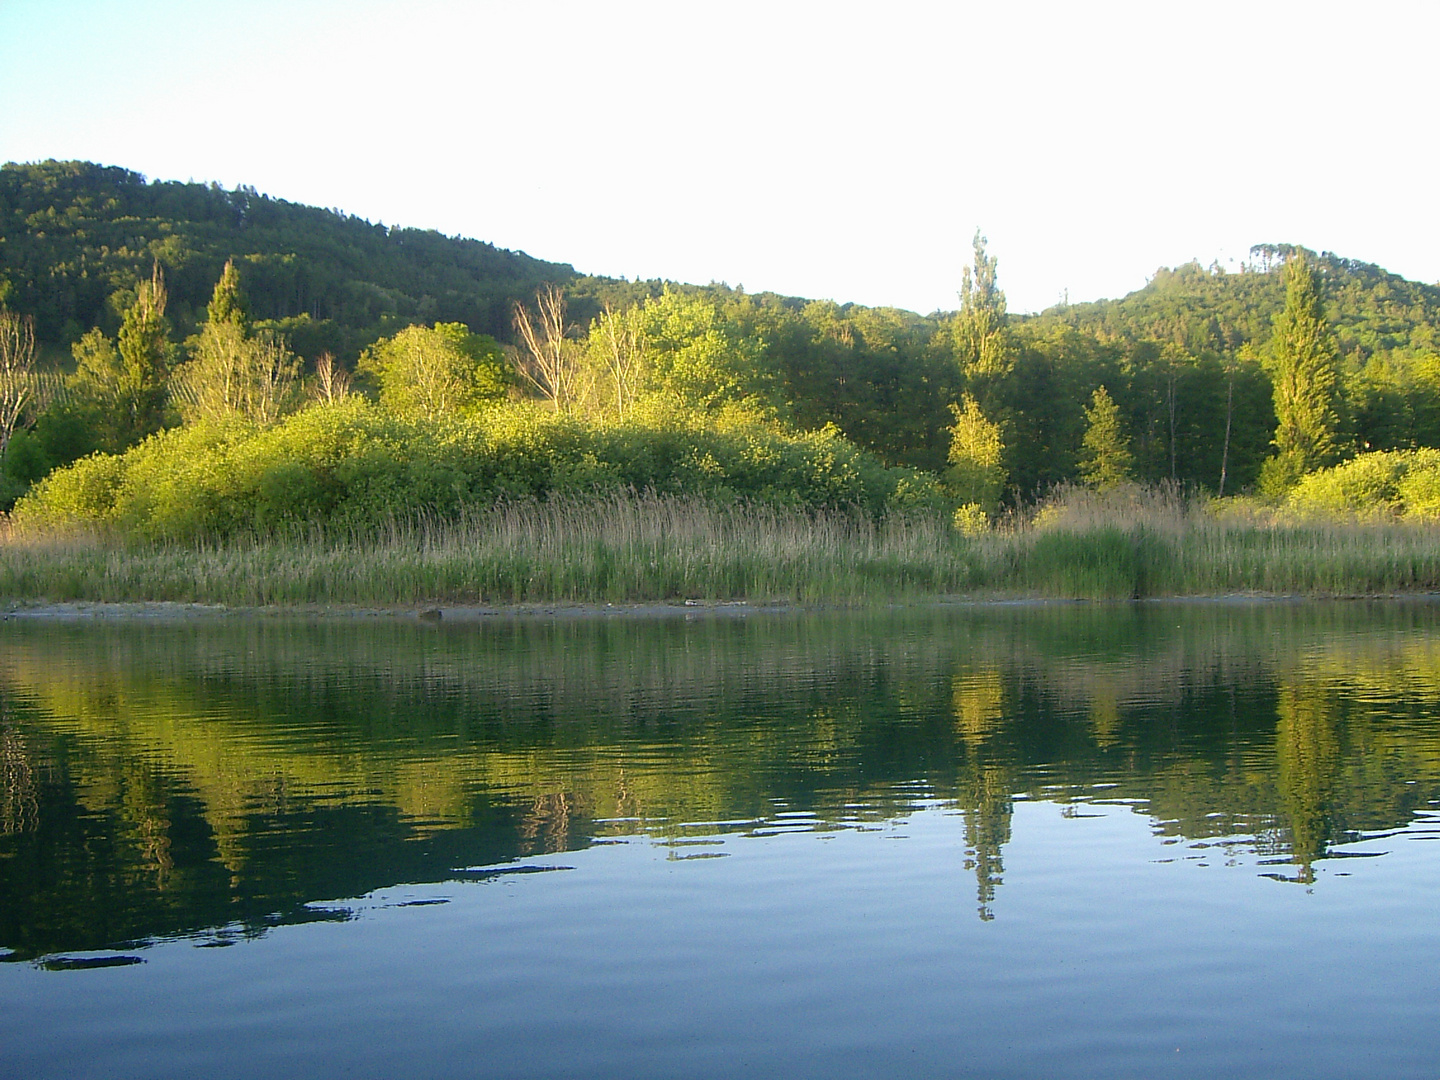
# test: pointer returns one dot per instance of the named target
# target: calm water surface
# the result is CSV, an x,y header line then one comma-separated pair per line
x,y
1060,841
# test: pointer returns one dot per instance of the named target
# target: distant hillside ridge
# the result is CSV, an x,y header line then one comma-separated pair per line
x,y
76,237
1373,312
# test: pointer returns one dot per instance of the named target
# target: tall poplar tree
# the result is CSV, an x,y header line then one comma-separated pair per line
x,y
982,333
1302,370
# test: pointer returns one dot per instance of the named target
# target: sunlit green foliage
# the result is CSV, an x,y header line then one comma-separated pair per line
x,y
1396,483
1203,367
976,475
145,361
1106,461
1303,370
356,465
982,342
434,372
696,355
233,371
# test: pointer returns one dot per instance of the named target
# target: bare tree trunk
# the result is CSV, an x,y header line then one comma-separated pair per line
x,y
17,371
1229,412
549,362
1171,379
332,382
625,356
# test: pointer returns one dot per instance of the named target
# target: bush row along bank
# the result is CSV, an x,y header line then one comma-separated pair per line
x,y
351,464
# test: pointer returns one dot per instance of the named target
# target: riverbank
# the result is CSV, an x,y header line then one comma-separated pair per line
x,y
670,551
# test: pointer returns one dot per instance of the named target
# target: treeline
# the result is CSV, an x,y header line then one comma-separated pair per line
x,y
77,239
1224,382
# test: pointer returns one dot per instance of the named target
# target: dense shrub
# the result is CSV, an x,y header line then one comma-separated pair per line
x,y
352,464
1385,483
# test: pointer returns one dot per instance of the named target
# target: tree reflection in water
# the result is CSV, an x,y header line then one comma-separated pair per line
x,y
163,779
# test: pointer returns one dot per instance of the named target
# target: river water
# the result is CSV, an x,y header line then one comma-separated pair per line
x,y
1132,840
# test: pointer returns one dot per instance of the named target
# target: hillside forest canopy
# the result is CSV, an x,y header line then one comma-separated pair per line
x,y
181,360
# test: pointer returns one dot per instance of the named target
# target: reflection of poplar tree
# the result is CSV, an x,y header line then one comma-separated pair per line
x,y
985,788
988,812
143,806
1307,748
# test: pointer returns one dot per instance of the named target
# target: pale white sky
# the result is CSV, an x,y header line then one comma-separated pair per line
x,y
820,149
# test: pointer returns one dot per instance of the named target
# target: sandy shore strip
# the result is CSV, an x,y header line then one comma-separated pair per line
x,y
169,611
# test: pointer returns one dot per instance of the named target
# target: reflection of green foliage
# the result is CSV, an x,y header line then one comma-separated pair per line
x,y
166,778
1308,754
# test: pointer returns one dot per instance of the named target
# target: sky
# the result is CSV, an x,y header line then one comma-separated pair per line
x,y
833,150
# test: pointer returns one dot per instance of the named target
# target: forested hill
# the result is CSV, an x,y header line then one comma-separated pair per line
x,y
1183,373
75,238
1372,310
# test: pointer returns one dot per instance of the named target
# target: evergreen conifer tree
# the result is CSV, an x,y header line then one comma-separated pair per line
x,y
227,303
144,346
1302,370
1105,460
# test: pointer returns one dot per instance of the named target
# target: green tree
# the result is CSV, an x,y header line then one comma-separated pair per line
x,y
227,303
145,356
976,475
981,330
1105,459
1302,369
97,392
615,354
232,372
696,355
430,372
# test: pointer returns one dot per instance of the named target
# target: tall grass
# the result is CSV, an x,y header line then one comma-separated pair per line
x,y
642,548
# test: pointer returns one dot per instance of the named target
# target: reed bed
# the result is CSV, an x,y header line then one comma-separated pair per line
x,y
642,548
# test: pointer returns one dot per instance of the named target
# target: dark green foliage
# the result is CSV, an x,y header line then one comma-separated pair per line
x,y
1167,353
73,234
876,373
1302,359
